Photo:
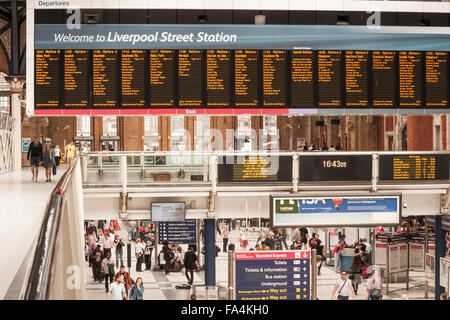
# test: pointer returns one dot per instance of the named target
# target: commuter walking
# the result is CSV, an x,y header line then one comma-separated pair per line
x,y
108,270
70,153
137,291
149,246
57,155
96,262
118,244
35,156
117,290
243,242
356,268
225,234
48,157
375,286
338,251
168,256
316,244
139,252
190,259
125,277
282,237
108,243
344,285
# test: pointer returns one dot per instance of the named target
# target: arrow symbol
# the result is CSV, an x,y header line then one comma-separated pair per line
x,y
305,276
305,255
304,261
304,289
304,269
304,282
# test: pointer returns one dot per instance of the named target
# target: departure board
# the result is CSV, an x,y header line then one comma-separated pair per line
x,y
414,167
104,78
302,81
274,78
190,78
218,78
162,78
410,78
356,78
255,169
246,78
436,79
336,167
133,78
329,78
47,77
384,78
76,82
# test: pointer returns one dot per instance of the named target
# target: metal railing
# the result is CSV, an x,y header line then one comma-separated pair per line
x,y
52,243
6,132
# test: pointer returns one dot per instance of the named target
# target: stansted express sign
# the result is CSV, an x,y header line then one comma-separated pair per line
x,y
335,211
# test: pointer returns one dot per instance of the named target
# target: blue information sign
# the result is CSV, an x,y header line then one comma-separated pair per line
x,y
273,275
177,232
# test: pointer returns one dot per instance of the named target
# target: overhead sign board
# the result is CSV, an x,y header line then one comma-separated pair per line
x,y
273,275
178,232
168,211
288,211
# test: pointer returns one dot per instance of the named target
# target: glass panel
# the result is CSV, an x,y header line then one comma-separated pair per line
x,y
109,126
83,125
151,126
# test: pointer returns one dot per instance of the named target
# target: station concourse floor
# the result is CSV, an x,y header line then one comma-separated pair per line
x,y
23,204
163,287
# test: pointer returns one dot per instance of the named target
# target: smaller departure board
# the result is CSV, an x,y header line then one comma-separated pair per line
x,y
274,78
246,78
302,79
436,76
356,84
255,169
218,78
47,77
329,77
410,78
336,167
414,167
133,78
76,81
190,78
384,79
162,78
104,78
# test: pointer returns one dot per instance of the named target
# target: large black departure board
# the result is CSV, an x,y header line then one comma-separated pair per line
x,y
274,78
356,78
218,78
162,78
190,78
410,78
133,78
267,79
384,79
255,169
76,83
329,78
246,78
47,78
302,81
436,79
414,167
104,78
336,167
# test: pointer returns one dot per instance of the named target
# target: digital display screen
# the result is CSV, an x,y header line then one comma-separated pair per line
x,y
329,78
218,78
246,78
47,78
255,169
168,211
190,78
268,79
76,84
414,167
336,168
162,78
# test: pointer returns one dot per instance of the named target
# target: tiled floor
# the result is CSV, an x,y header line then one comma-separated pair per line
x,y
23,203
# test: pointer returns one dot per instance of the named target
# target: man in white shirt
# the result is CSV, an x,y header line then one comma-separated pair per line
x,y
117,290
344,287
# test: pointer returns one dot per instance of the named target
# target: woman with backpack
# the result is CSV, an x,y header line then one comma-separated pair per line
x,y
375,286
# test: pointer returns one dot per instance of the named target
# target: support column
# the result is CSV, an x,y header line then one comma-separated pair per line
x,y
210,252
16,84
439,253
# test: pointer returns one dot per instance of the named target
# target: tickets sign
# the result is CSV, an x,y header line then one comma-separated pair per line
x,y
273,275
